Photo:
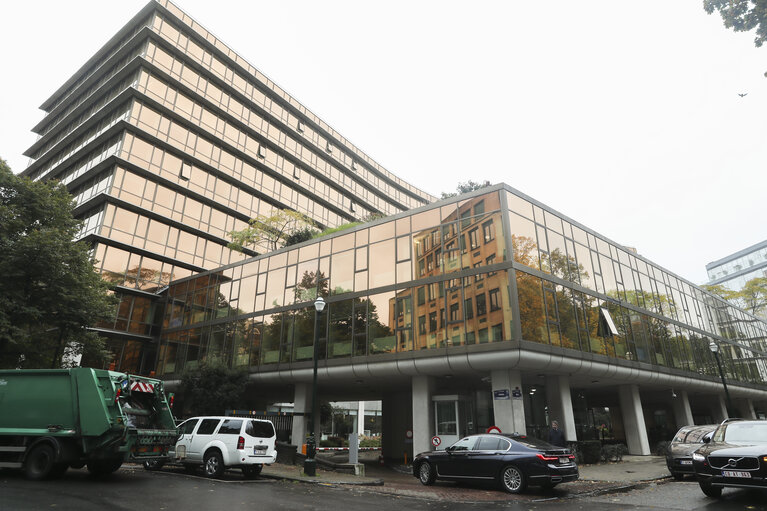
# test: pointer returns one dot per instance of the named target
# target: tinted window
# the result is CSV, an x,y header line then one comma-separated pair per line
x,y
465,444
208,426
187,427
260,429
490,443
230,427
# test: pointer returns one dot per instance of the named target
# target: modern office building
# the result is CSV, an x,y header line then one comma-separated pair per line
x,y
168,140
734,270
488,309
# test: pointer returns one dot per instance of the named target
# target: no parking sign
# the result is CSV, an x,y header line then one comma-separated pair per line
x,y
436,441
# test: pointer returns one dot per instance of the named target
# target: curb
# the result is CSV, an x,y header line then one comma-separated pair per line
x,y
372,482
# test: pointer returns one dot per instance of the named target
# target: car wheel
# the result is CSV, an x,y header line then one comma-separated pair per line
x,y
153,465
213,464
251,471
426,473
714,492
39,462
512,479
677,476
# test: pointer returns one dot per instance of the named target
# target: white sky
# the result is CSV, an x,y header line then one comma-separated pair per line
x,y
621,115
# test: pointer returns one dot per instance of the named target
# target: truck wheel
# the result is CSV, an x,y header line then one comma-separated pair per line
x,y
213,464
39,462
251,471
104,467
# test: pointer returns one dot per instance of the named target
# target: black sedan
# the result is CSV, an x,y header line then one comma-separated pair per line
x,y
685,442
513,461
735,456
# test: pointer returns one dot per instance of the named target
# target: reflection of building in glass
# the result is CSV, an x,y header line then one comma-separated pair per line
x,y
734,270
432,292
168,140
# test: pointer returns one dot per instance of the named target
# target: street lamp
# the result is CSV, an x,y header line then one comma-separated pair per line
x,y
310,465
714,347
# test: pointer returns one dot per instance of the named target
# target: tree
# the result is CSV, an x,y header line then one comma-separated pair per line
x,y
49,291
721,291
468,186
269,230
753,296
212,388
742,16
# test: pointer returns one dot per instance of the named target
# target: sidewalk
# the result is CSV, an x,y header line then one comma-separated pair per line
x,y
601,478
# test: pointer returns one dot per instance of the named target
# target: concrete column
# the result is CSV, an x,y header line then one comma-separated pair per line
x,y
302,402
423,413
509,414
633,420
361,418
745,408
560,404
396,421
682,410
718,408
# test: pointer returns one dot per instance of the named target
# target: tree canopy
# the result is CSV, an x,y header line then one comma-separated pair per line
x,y
269,231
212,388
752,298
468,186
742,16
49,291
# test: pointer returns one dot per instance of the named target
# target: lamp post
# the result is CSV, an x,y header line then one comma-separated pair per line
x,y
714,347
310,465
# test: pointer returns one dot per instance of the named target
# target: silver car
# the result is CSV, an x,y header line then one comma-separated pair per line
x,y
685,442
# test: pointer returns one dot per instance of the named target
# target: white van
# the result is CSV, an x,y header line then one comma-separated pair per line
x,y
218,443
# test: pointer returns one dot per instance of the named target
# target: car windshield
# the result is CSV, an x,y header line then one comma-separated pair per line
x,y
745,432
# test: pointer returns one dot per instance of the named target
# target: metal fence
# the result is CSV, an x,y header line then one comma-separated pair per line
x,y
283,421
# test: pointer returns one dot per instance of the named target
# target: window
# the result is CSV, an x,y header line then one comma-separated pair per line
x,y
296,172
454,313
474,238
490,260
438,257
421,325
481,304
468,307
186,172
478,276
495,302
465,444
465,219
497,332
492,443
421,268
430,262
479,208
488,232
354,165
261,151
300,126
187,427
470,338
329,148
260,429
421,295
432,321
230,427
483,335
208,426
352,208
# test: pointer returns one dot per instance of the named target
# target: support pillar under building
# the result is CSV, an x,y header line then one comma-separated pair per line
x,y
508,413
302,403
718,408
744,408
633,420
423,413
682,409
560,403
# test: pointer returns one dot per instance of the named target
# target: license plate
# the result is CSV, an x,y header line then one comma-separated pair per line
x,y
732,473
564,460
259,449
686,462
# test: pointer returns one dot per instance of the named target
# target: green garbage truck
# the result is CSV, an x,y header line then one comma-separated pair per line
x,y
54,419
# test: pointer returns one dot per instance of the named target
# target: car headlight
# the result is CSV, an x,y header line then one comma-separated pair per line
x,y
698,457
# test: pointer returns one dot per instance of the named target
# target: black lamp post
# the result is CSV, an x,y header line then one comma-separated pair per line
x,y
714,347
310,465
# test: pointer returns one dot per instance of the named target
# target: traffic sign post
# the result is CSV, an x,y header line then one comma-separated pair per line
x,y
436,441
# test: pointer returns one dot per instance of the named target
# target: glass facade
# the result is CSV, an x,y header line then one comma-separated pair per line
x,y
494,268
168,140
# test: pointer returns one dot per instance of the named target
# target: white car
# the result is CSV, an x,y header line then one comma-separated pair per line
x,y
218,443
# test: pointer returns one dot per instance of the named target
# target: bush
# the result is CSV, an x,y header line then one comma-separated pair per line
x,y
334,441
614,452
370,441
662,448
590,451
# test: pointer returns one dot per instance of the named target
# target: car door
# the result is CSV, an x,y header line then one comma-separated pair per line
x,y
455,461
487,458
185,430
202,435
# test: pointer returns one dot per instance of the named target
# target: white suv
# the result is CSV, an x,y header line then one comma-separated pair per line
x,y
218,443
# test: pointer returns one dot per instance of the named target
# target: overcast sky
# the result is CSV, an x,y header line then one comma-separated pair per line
x,y
624,116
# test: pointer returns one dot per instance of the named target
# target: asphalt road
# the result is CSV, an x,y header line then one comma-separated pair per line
x,y
133,489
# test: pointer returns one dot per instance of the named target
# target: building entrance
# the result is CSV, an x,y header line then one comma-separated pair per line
x,y
453,418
